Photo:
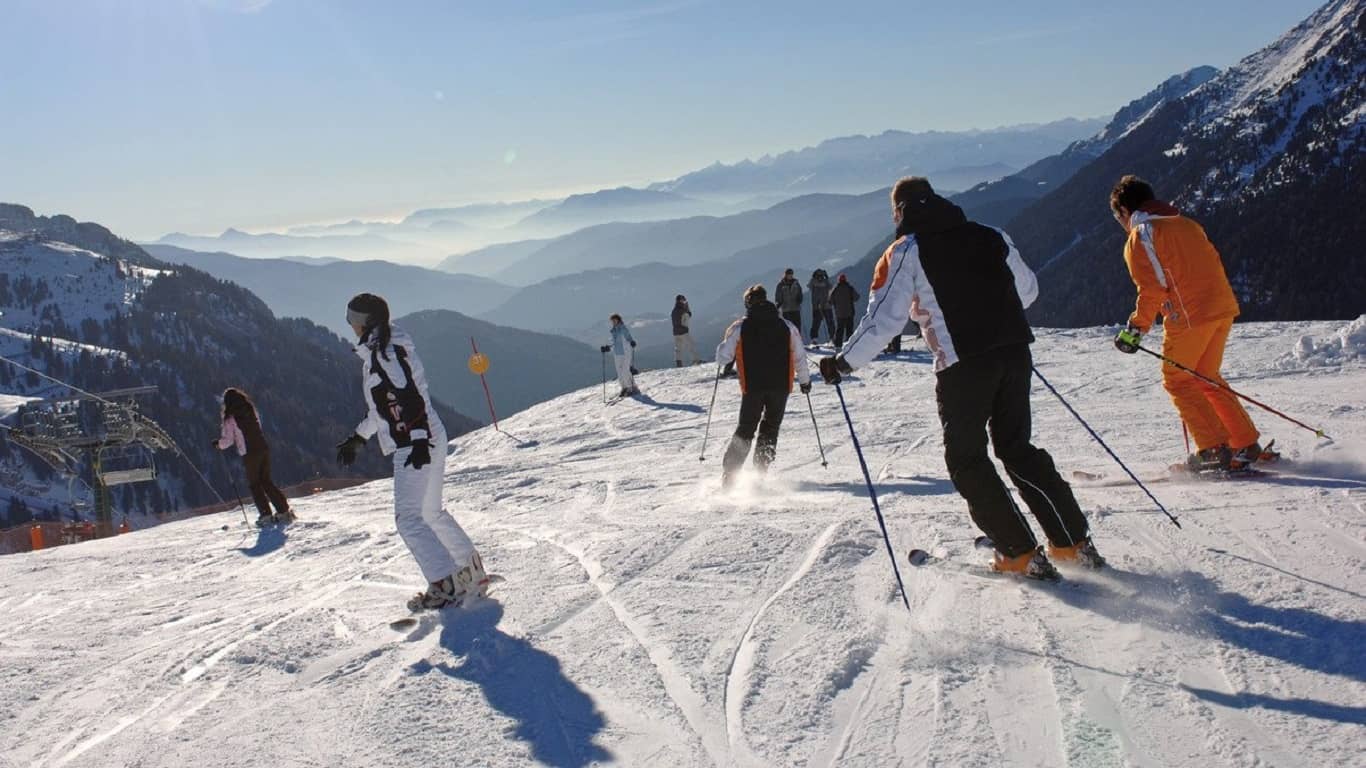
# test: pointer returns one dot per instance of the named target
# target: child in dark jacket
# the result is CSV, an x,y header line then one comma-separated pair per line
x,y
242,428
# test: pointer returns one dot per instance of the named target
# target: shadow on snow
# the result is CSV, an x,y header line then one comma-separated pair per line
x,y
554,716
267,540
1193,604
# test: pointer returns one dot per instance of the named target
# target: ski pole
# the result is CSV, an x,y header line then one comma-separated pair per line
x,y
1121,464
710,407
812,411
235,492
604,377
872,493
1227,388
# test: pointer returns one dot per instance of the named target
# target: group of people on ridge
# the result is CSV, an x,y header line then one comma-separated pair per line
x,y
963,283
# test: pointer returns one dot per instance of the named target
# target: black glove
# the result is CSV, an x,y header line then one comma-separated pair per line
x,y
420,456
346,449
805,387
1127,340
832,367
605,348
633,344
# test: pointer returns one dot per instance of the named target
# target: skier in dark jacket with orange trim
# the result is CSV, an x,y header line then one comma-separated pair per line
x,y
769,355
967,287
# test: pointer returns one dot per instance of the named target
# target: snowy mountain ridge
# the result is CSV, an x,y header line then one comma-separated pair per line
x,y
1269,157
80,284
1309,87
105,322
650,620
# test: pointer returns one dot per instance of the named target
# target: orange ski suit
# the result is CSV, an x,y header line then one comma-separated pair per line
x,y
1179,275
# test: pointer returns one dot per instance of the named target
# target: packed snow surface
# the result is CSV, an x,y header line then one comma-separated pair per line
x,y
650,620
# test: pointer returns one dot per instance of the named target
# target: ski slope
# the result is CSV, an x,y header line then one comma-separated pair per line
x,y
649,620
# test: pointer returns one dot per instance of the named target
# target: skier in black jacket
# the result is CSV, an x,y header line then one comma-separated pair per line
x,y
842,298
787,295
967,287
769,354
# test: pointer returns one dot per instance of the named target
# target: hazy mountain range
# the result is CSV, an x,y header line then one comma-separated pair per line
x,y
319,292
846,165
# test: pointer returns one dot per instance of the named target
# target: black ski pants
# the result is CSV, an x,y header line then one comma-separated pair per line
x,y
761,411
794,317
817,315
991,392
263,490
844,328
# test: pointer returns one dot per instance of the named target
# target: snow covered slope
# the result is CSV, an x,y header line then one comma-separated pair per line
x,y
649,620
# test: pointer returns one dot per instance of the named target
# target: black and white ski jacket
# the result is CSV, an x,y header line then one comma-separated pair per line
x,y
963,282
396,393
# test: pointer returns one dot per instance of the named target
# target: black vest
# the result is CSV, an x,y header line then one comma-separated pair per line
x,y
765,349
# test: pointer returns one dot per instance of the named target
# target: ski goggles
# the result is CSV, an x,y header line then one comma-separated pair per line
x,y
357,318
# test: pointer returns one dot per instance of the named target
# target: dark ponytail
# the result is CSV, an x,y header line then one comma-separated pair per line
x,y
376,311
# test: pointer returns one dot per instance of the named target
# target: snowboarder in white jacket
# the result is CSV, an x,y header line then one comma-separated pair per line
x,y
623,349
400,414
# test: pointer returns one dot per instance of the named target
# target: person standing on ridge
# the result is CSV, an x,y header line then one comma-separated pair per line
x,y
1179,275
400,413
769,355
967,287
241,428
819,286
842,299
683,342
788,296
623,351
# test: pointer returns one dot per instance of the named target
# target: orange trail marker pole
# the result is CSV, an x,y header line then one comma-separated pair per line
x,y
479,364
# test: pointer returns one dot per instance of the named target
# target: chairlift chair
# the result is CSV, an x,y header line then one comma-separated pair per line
x,y
124,464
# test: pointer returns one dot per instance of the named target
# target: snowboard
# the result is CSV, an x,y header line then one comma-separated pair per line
x,y
408,622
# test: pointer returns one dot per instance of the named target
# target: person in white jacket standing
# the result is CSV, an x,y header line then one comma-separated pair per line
x,y
623,349
400,413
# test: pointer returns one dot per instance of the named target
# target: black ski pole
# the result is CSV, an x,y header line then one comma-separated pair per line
x,y
710,407
1317,432
235,492
872,493
814,426
1121,464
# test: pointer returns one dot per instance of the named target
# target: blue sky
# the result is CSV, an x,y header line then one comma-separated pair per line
x,y
195,115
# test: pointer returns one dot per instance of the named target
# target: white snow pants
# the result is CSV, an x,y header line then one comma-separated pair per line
x,y
438,543
684,343
624,371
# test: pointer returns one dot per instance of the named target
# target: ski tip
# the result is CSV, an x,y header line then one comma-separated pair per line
x,y
983,542
1081,474
918,556
407,623
496,579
